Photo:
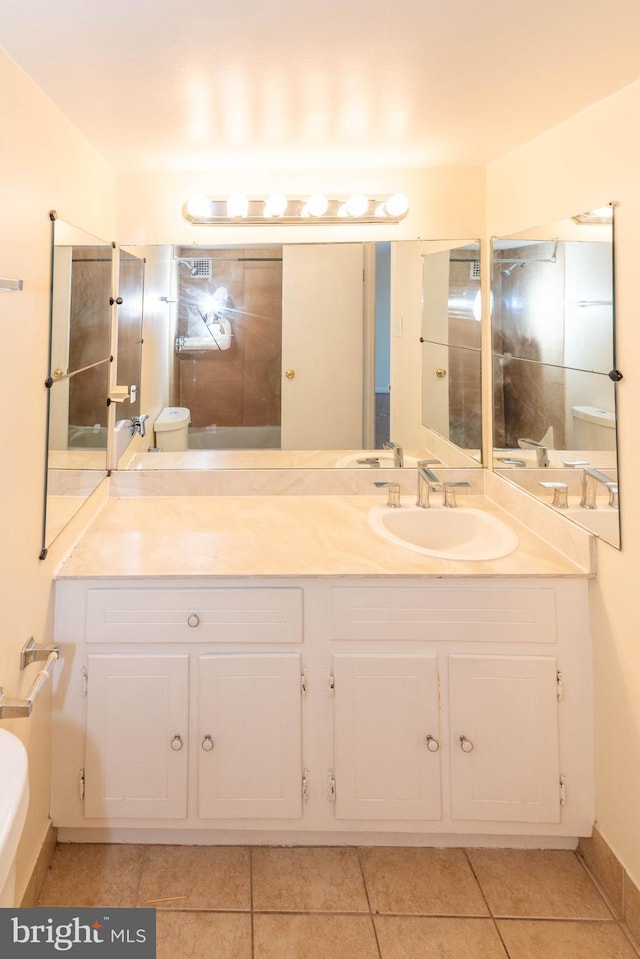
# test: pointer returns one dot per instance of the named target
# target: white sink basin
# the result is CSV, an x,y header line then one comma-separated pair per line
x,y
14,800
358,460
463,533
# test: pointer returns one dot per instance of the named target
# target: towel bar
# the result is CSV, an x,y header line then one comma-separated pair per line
x,y
14,708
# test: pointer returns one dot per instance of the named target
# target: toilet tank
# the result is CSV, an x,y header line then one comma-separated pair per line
x,y
171,429
593,428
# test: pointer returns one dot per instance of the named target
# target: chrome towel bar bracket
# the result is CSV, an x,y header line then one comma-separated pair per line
x,y
10,706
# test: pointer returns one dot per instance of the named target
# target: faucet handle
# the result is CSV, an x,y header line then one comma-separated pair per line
x,y
560,494
449,492
393,497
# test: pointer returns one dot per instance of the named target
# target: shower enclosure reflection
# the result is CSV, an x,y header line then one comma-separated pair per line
x,y
78,376
554,398
451,345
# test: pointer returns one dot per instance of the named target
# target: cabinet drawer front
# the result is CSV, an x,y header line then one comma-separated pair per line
x,y
482,614
194,615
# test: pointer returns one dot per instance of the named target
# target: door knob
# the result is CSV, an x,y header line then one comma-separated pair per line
x,y
466,745
176,743
432,744
290,374
207,744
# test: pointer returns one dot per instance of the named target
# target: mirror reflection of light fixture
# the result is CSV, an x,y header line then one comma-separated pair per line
x,y
8,286
316,208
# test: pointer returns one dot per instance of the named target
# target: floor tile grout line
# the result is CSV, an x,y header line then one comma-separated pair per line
x,y
486,902
366,892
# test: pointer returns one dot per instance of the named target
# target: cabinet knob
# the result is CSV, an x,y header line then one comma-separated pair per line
x,y
432,744
466,745
193,621
290,374
176,743
207,744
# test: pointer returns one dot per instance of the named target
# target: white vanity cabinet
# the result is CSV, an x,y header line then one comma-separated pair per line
x,y
336,708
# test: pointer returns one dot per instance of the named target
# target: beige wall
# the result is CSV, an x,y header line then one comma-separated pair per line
x,y
44,165
587,162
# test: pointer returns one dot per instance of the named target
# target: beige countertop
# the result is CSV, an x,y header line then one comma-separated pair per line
x,y
310,535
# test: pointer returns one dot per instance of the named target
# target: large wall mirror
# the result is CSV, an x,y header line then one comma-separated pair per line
x,y
282,356
554,367
78,375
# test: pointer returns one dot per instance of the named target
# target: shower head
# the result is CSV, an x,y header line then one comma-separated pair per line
x,y
198,267
509,270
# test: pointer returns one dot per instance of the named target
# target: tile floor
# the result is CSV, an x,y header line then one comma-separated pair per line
x,y
237,902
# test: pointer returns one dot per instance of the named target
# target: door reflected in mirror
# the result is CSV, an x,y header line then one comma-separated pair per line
x,y
553,336
78,376
272,356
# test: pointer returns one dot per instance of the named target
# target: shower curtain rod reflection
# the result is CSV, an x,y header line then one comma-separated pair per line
x,y
530,259
228,259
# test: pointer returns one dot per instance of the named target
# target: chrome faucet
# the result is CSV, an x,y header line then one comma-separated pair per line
x,y
590,479
137,424
541,451
398,453
426,480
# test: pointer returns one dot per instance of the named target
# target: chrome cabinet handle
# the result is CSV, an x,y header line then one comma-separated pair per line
x,y
176,743
193,620
466,745
207,744
432,744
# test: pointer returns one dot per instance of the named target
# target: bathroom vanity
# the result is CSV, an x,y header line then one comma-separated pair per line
x,y
373,693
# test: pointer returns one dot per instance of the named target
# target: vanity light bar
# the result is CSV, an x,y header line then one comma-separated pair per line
x,y
237,209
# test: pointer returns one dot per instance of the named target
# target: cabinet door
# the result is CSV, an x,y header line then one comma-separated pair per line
x,y
137,724
504,738
249,737
387,759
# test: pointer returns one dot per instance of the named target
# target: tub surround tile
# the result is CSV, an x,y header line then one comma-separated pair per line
x,y
196,877
427,882
314,937
93,875
541,884
412,937
527,939
203,935
308,879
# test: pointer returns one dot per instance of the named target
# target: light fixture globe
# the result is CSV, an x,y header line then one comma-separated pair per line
x,y
397,205
317,205
276,205
237,205
357,205
198,205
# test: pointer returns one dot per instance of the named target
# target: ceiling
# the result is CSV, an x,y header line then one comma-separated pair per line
x,y
282,84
